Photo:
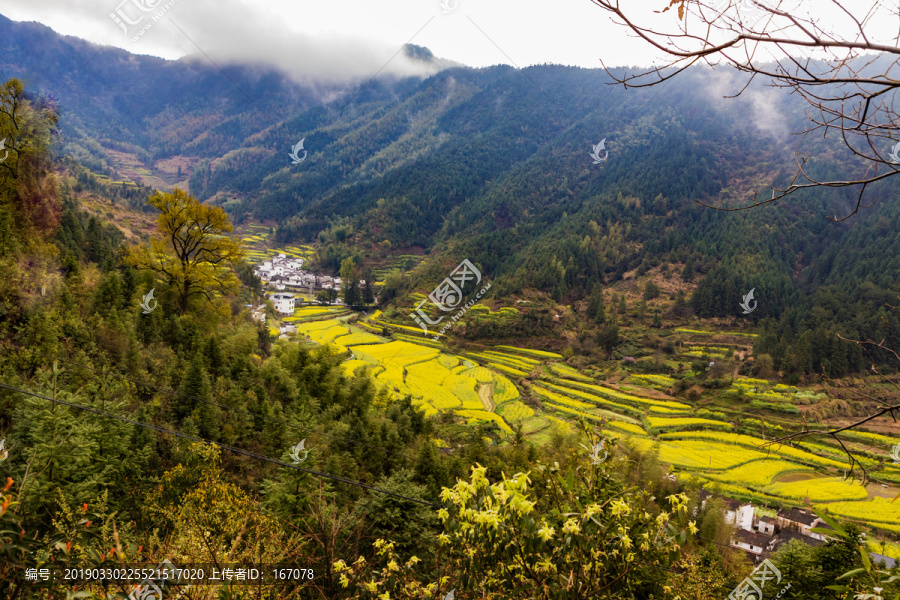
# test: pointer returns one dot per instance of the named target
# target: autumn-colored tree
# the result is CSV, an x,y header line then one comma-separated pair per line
x,y
29,201
193,251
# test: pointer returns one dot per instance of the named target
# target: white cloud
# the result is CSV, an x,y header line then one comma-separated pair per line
x,y
348,38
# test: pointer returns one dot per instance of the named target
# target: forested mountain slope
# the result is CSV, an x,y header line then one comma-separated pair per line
x,y
493,165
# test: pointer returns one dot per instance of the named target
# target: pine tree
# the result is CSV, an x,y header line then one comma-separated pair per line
x,y
215,357
194,388
368,293
688,273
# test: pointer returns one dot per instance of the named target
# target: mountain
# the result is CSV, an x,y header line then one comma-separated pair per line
x,y
494,165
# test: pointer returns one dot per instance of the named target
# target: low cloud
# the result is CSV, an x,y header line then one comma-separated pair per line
x,y
226,33
764,114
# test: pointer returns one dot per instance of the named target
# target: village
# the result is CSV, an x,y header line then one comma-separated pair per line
x,y
762,536
286,279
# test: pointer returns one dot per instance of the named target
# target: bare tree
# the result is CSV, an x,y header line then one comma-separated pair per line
x,y
841,57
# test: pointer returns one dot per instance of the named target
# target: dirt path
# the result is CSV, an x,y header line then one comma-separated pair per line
x,y
486,393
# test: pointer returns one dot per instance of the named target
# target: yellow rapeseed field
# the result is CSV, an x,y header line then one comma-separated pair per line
x,y
483,415
698,454
755,443
514,411
759,473
822,489
616,394
589,397
664,423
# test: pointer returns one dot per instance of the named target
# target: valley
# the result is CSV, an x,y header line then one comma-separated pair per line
x,y
446,331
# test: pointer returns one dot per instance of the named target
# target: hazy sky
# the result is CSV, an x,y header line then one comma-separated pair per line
x,y
353,37
335,39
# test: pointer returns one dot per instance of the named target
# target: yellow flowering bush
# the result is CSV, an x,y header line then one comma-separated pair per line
x,y
539,535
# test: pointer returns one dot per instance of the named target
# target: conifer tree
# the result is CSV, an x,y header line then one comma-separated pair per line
x,y
194,389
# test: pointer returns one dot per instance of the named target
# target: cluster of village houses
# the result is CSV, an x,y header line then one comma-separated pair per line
x,y
760,537
283,273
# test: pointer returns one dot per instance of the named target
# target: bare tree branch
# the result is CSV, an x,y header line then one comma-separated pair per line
x,y
840,69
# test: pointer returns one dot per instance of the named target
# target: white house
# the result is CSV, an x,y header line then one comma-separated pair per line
x,y
259,314
766,525
739,514
284,303
756,543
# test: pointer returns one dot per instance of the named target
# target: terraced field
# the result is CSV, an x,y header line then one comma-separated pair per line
x,y
437,382
488,385
256,242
